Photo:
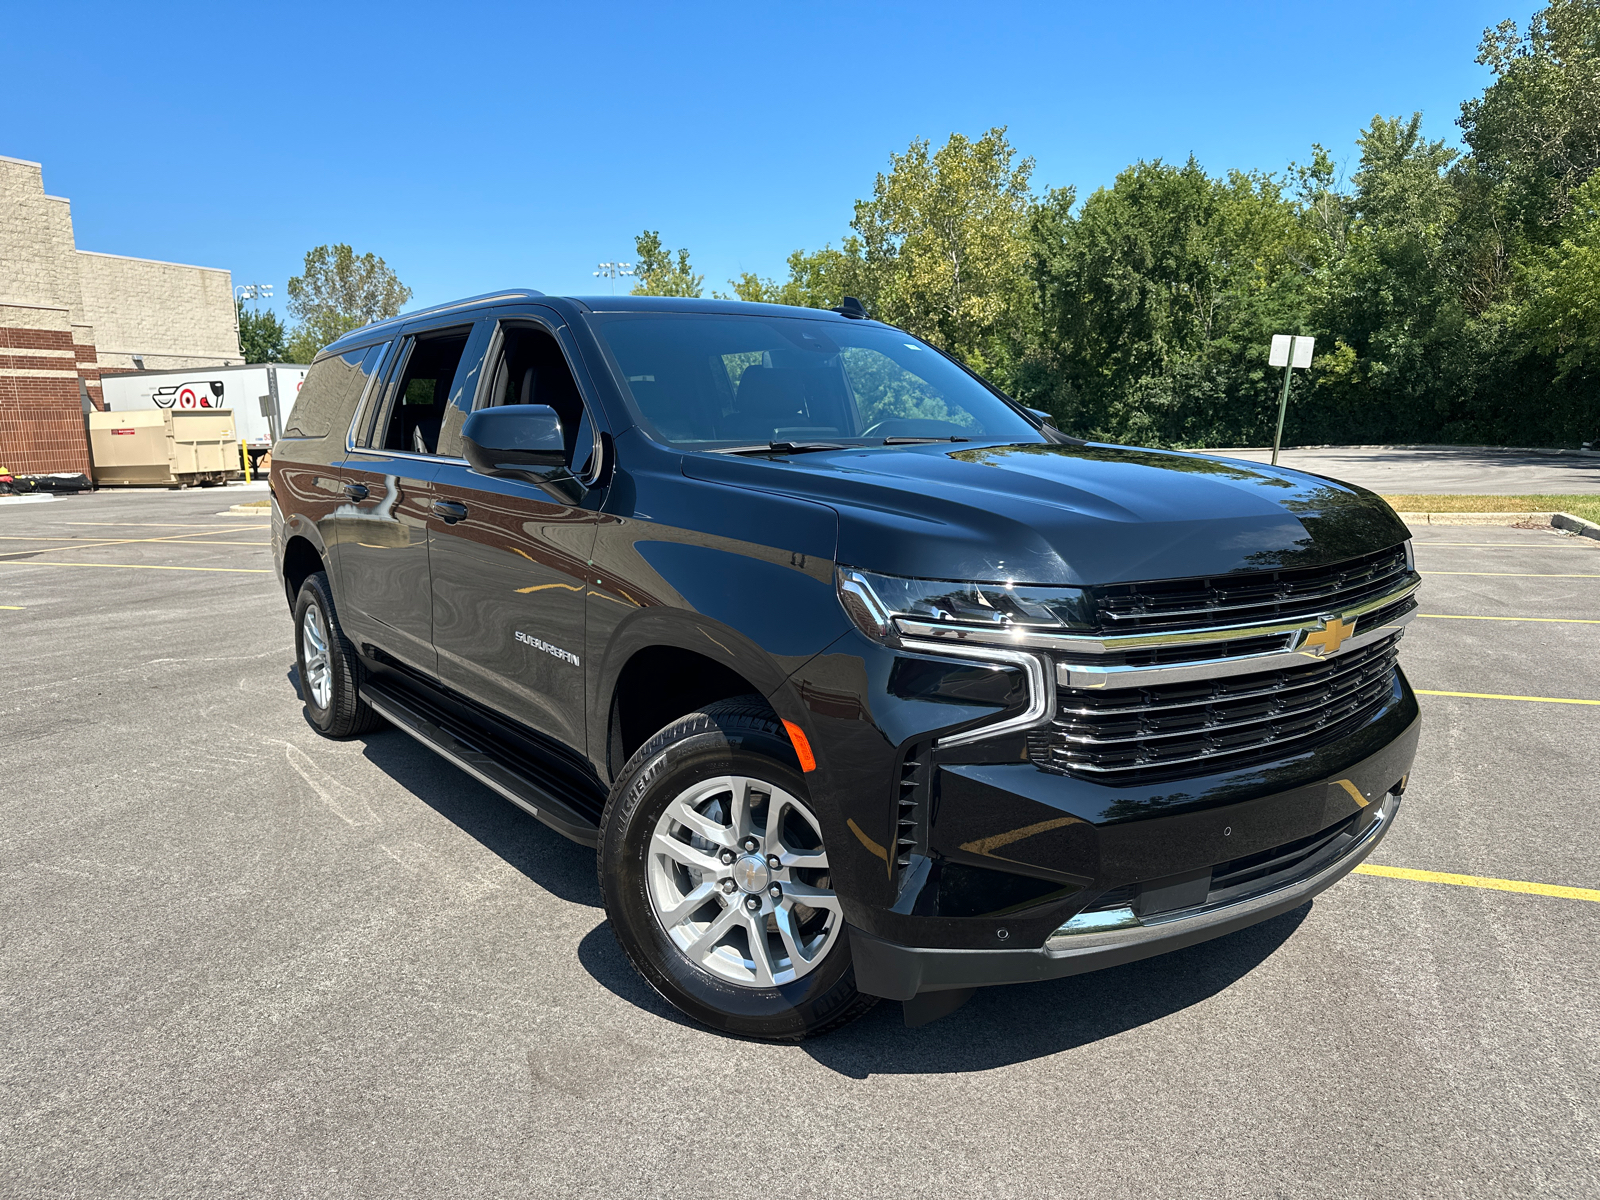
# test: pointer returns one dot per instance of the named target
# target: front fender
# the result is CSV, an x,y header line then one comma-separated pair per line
x,y
742,578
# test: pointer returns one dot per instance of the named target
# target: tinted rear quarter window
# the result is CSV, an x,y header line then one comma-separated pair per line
x,y
330,393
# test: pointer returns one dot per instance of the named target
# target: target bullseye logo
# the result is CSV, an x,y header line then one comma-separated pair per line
x,y
190,395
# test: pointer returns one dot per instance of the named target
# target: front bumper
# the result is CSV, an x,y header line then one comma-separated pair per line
x,y
1093,941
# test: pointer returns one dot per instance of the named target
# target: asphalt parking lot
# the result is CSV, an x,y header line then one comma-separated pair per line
x,y
1478,470
239,960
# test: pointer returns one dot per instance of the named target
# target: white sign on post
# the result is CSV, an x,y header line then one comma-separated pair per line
x,y
1278,356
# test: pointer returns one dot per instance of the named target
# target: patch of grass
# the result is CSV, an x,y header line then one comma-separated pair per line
x,y
259,504
1587,507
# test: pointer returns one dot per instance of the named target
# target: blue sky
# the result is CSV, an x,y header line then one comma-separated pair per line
x,y
478,147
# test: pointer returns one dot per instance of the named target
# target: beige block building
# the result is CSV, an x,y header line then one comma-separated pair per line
x,y
68,315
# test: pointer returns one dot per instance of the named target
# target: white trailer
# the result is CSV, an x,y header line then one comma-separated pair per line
x,y
260,396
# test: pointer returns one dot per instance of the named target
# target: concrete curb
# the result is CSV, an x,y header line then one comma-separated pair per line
x,y
1575,525
1557,520
27,498
250,510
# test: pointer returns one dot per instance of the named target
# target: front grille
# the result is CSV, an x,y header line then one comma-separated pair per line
x,y
1247,596
1179,730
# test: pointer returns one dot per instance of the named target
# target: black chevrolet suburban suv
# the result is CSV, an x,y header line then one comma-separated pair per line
x,y
862,680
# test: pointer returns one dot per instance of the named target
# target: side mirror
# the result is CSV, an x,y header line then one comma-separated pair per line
x,y
514,439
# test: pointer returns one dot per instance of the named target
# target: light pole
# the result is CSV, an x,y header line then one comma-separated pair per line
x,y
1291,352
247,291
613,271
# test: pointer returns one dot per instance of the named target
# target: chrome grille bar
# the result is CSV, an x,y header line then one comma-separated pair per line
x,y
1307,706
1088,646
1325,694
1216,697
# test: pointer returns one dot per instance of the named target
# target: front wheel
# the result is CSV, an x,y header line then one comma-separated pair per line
x,y
716,878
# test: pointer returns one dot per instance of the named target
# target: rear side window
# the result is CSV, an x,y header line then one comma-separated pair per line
x,y
330,393
423,391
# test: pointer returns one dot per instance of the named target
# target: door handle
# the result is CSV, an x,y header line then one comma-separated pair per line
x,y
449,511
356,491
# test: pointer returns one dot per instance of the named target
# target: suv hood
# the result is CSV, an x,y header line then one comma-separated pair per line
x,y
1066,514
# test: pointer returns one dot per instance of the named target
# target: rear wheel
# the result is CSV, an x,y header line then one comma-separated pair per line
x,y
716,879
329,672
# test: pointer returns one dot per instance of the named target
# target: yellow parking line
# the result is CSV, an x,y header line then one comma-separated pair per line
x,y
187,539
59,545
33,562
1490,696
1509,574
1546,620
1480,881
12,607
170,537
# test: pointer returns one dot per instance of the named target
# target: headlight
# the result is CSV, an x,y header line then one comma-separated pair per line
x,y
885,607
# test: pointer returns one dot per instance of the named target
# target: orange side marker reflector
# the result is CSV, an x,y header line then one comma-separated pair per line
x,y
802,748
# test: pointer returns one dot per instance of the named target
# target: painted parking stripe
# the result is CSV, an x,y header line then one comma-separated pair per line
x,y
174,539
1480,881
12,607
1545,620
1492,696
1509,574
136,567
191,538
59,545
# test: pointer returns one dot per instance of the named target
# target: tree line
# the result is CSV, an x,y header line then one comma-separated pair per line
x,y
1454,296
337,290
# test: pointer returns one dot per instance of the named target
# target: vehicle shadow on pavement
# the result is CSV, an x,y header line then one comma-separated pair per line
x,y
1004,1025
1001,1026
559,866
562,868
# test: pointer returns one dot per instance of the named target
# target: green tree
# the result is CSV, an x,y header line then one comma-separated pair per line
x,y
262,337
1562,314
1400,357
658,274
1158,300
1535,131
340,291
817,280
944,246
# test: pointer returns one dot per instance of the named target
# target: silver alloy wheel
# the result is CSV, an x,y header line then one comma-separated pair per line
x,y
738,877
314,646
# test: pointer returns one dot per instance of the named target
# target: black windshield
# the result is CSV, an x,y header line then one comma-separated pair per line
x,y
709,380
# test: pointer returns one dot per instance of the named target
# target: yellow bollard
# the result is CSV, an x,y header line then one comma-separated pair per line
x,y
244,452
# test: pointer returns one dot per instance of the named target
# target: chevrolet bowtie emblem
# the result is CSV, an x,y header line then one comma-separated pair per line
x,y
1329,638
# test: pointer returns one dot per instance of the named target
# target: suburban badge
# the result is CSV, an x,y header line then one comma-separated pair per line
x,y
527,639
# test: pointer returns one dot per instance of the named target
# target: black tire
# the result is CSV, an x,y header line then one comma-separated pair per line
x,y
345,714
733,737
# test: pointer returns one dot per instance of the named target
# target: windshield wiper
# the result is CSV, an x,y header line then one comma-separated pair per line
x,y
782,448
919,441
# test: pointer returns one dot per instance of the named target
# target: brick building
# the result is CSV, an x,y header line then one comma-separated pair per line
x,y
67,316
